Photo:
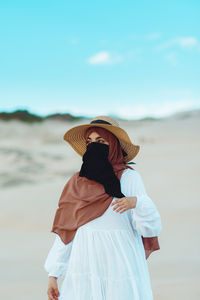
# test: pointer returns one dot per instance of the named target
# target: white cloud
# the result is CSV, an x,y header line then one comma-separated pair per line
x,y
186,42
171,57
153,36
182,42
104,57
74,41
88,111
161,109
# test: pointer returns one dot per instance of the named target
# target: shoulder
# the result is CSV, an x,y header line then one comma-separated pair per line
x,y
130,175
132,183
74,177
129,182
71,180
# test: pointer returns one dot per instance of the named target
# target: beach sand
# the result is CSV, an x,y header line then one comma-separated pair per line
x,y
36,163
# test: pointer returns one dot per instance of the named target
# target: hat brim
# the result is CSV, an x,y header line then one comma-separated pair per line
x,y
75,137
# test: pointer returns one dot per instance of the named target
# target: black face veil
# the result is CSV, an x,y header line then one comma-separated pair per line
x,y
96,166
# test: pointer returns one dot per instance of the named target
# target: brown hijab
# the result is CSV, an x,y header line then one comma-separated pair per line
x,y
83,200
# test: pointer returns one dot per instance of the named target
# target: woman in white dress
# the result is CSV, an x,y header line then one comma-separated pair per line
x,y
106,225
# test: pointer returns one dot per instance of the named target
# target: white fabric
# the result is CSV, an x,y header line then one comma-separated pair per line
x,y
106,259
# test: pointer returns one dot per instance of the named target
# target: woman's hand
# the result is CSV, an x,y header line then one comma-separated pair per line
x,y
124,204
53,291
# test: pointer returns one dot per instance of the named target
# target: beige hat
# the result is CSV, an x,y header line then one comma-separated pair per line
x,y
75,136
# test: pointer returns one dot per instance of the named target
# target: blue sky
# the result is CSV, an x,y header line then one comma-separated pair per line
x,y
125,58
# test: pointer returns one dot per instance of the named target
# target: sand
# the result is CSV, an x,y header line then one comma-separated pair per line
x,y
35,164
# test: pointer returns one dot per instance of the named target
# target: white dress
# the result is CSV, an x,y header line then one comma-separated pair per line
x,y
106,258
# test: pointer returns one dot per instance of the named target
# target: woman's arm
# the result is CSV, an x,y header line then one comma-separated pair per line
x,y
146,219
58,257
145,216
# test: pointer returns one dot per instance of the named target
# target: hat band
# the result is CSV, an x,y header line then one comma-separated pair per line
x,y
100,122
105,122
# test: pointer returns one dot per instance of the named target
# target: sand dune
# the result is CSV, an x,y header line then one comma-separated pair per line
x,y
35,164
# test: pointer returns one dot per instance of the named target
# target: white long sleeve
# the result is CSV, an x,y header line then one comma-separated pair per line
x,y
146,219
58,257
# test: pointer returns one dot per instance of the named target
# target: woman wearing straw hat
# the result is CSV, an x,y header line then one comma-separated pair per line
x,y
106,225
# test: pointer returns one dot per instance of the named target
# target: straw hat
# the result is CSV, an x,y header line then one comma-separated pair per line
x,y
75,136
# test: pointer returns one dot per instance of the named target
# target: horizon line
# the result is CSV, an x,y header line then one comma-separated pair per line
x,y
117,116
